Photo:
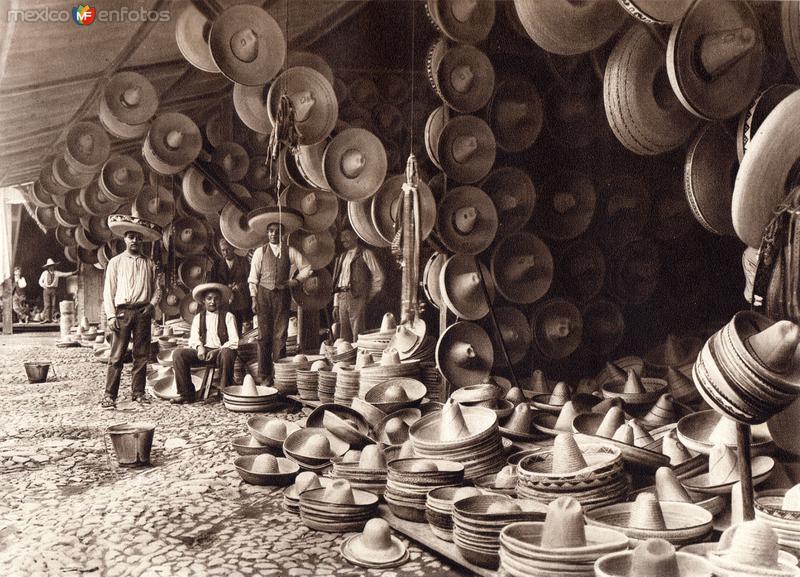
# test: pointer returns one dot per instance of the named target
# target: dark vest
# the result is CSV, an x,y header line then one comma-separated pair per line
x,y
274,270
222,327
360,276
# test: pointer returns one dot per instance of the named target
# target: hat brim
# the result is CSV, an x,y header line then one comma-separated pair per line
x,y
370,177
360,217
199,292
324,112
200,197
250,103
444,65
122,223
261,218
172,309
386,204
87,160
239,159
190,40
478,368
327,207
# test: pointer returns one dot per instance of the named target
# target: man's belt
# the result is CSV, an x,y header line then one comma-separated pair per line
x,y
342,289
132,306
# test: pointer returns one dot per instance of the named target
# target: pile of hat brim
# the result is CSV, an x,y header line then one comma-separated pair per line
x,y
371,480
439,511
430,377
287,471
347,383
374,375
286,374
307,384
374,342
481,452
601,482
522,555
337,517
291,498
476,533
407,490
326,385
635,456
769,508
234,401
348,357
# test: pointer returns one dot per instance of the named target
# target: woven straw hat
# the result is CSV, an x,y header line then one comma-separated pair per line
x,y
514,197
460,287
172,143
522,267
467,220
463,76
466,149
464,354
468,21
653,557
516,114
313,98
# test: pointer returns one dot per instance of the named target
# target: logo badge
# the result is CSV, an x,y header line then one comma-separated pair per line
x,y
84,14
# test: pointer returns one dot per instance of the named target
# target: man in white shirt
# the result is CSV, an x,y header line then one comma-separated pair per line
x,y
358,277
48,280
270,282
211,339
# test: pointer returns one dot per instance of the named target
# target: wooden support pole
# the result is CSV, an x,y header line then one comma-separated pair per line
x,y
7,318
745,470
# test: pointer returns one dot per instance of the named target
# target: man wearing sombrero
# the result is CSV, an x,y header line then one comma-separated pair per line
x,y
48,280
270,280
213,338
130,295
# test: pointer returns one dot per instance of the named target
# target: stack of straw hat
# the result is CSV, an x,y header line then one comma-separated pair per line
x,y
376,341
271,432
313,448
337,508
308,381
486,395
749,369
430,377
592,474
653,557
304,481
286,373
478,521
409,481
562,544
504,482
439,508
668,487
326,387
375,548
636,391
780,509
394,429
647,518
469,435
395,394
702,430
723,472
343,352
266,469
249,398
368,473
347,380
390,367
291,337
519,425
751,550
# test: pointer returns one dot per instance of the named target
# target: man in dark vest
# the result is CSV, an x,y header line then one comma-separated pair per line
x,y
231,270
358,277
270,281
213,337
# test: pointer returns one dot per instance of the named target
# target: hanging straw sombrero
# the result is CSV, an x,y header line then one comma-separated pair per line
x,y
156,204
319,207
464,354
232,160
315,292
251,106
314,101
433,132
87,147
557,328
516,114
200,195
360,216
751,118
191,33
463,76
466,220
317,247
121,178
128,98
516,333
430,278
233,223
655,11
171,300
355,164
460,287
386,205
467,22
522,268
189,235
466,149
514,197
582,268
565,207
193,270
635,272
66,177
172,143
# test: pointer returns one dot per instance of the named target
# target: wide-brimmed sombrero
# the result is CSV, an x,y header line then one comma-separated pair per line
x,y
318,248
122,223
171,300
252,107
247,44
360,216
514,197
129,98
715,58
516,333
466,220
313,102
753,116
191,35
386,204
433,131
66,177
200,195
644,115
95,201
309,162
289,219
355,164
582,269
566,205
522,268
172,143
156,204
189,235
466,149
460,287
626,199
318,207
464,354
573,119
557,328
462,76
516,114
233,223
468,22
199,292
231,158
87,147
121,178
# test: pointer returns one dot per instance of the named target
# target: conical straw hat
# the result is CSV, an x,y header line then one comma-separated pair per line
x,y
453,426
669,488
565,417
722,467
653,557
339,492
681,386
615,374
754,545
515,396
624,434
662,413
674,449
611,422
567,455
563,525
776,346
538,383
561,393
375,546
633,384
641,438
520,420
646,513
724,432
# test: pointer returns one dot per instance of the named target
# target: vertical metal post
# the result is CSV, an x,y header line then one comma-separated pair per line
x,y
745,470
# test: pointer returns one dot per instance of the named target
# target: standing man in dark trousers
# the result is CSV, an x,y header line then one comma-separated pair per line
x,y
232,270
130,295
357,277
48,280
213,338
270,281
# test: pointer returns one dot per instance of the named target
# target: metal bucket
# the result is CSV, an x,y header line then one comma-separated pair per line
x,y
132,442
37,372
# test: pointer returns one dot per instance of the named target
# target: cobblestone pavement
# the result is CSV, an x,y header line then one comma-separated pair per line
x,y
67,508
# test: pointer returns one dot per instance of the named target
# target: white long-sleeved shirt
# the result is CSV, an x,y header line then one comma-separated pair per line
x,y
376,273
296,259
48,280
212,337
130,280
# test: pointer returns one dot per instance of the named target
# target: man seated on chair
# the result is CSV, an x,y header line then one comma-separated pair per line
x,y
211,339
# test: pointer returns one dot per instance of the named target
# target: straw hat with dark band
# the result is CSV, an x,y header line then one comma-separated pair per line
x,y
466,149
466,220
130,98
313,100
289,219
468,22
172,143
522,268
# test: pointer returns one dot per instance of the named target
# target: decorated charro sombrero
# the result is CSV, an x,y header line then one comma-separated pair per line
x,y
522,268
247,45
557,328
191,35
121,178
466,149
315,292
460,287
565,207
95,201
360,216
709,173
128,98
516,334
386,204
97,226
355,164
87,147
765,175
251,106
65,217
644,114
318,247
46,216
463,76
231,158
635,271
563,27
172,143
156,204
464,354
122,223
656,11
466,220
313,101
234,226
467,21
171,300
200,195
514,197
753,116
65,235
68,178
189,235
199,292
516,114
603,326
715,58
289,219
430,278
582,269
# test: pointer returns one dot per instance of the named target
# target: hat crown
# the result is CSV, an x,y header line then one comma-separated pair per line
x,y
654,557
316,445
310,205
339,492
678,381
624,434
265,464
633,384
521,419
303,102
561,393
724,432
306,481
464,148
395,393
275,429
646,513
615,374
377,535
538,382
461,78
353,162
674,449
669,488
563,525
465,218
249,388
244,44
390,357
722,465
364,359
641,437
557,327
506,477
511,112
407,450
565,417
563,202
463,10
515,396
519,267
610,423
791,500
372,457
663,412
754,544
453,426
567,455
775,347
388,323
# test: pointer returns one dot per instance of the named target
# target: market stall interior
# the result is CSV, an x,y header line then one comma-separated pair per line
x,y
513,279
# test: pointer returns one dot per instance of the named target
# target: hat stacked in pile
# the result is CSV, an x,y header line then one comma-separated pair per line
x,y
396,394
308,380
752,549
592,474
375,342
326,383
559,544
653,557
390,367
636,391
337,508
291,337
409,481
780,509
368,473
305,481
286,373
313,448
430,377
477,522
271,433
342,352
249,398
469,435
486,395
439,508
